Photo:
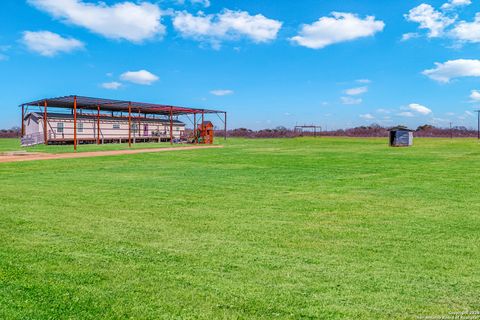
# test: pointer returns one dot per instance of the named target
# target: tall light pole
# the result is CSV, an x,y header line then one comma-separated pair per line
x,y
478,124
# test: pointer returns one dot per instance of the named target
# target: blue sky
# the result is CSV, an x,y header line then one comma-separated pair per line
x,y
268,63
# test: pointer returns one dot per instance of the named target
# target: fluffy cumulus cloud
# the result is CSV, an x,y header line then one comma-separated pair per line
x,y
339,27
114,85
444,72
50,44
143,77
367,116
221,92
130,21
418,108
227,25
467,31
430,19
445,22
350,100
475,96
356,91
452,4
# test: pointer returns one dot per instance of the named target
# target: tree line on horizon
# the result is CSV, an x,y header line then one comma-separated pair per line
x,y
373,130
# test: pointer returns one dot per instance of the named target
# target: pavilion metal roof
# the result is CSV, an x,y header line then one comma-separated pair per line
x,y
88,103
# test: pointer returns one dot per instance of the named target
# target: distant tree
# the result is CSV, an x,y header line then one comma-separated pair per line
x,y
425,127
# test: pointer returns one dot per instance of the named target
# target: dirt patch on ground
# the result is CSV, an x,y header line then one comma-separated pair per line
x,y
30,156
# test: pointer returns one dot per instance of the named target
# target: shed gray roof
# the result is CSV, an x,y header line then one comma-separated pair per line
x,y
400,128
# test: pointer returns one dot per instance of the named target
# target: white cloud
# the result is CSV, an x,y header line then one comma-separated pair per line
x,y
429,18
444,72
221,92
367,116
467,31
350,100
205,3
385,111
475,95
410,35
3,56
50,44
356,91
452,4
407,114
124,20
466,114
439,120
227,25
366,81
419,108
139,77
111,85
340,27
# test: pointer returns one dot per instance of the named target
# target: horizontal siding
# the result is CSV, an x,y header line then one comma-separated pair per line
x,y
87,128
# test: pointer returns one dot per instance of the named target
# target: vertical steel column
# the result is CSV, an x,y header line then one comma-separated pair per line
x,y
171,125
129,124
139,124
225,126
45,119
195,140
23,122
75,123
98,124
202,126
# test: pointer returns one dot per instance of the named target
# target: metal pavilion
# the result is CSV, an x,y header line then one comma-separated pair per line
x,y
117,108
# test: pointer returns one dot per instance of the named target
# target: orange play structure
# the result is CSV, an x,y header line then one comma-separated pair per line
x,y
205,133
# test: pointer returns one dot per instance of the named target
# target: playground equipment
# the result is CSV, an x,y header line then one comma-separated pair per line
x,y
205,133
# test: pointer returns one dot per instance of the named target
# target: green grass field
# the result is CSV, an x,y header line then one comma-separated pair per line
x,y
329,228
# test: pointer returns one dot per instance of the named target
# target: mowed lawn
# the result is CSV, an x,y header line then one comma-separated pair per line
x,y
329,228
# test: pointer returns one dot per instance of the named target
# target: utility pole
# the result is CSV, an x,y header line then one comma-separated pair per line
x,y
478,125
